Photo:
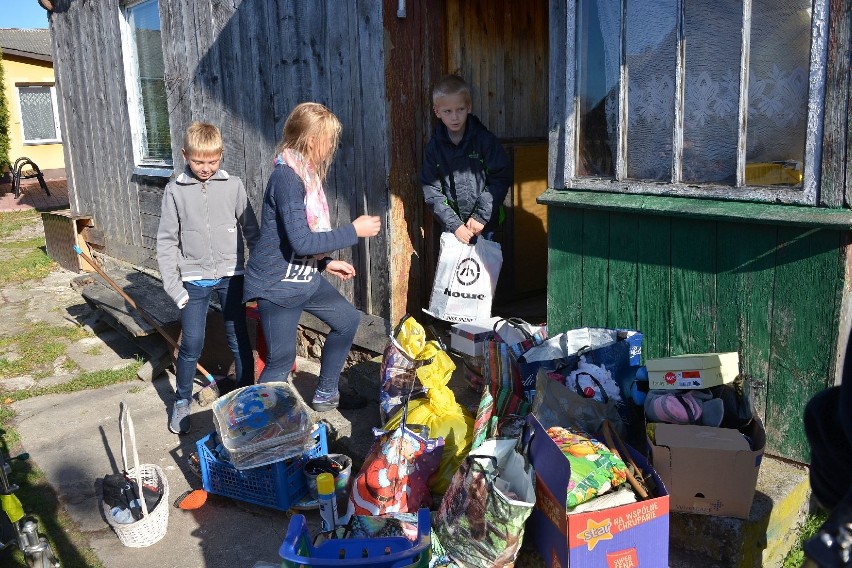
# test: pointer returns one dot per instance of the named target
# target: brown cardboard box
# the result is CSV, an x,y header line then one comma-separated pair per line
x,y
709,471
699,371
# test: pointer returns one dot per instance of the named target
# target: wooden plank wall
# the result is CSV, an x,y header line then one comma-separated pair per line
x,y
417,48
771,293
242,65
501,48
93,112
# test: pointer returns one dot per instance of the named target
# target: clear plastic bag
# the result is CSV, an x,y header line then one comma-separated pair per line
x,y
261,424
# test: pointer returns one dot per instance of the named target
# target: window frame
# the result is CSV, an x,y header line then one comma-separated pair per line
x,y
135,109
565,128
55,108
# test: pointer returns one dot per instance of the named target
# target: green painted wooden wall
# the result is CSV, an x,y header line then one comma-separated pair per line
x,y
770,292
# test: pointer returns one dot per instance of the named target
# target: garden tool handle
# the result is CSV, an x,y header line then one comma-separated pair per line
x,y
133,305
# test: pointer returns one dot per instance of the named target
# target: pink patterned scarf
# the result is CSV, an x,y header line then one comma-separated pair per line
x,y
316,205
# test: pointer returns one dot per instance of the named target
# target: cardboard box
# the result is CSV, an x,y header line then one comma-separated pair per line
x,y
628,536
709,471
469,338
699,371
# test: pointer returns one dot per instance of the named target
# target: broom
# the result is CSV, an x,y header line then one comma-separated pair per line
x,y
206,395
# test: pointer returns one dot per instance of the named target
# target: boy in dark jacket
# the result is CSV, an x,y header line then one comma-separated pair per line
x,y
466,173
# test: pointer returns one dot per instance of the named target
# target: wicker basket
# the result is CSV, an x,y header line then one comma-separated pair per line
x,y
152,526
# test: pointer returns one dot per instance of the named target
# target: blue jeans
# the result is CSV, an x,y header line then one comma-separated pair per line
x,y
279,331
193,319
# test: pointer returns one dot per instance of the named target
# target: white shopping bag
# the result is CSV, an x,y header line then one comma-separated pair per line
x,y
465,280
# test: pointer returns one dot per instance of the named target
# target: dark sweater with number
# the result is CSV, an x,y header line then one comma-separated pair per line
x,y
282,268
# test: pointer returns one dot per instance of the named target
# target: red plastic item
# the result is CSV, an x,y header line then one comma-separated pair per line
x,y
260,362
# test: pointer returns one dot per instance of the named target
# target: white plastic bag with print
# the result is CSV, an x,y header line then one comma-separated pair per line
x,y
465,280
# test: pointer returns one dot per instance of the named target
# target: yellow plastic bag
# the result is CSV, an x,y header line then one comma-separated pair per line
x,y
439,412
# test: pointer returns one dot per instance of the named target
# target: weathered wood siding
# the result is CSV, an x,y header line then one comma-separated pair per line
x,y
95,124
242,65
501,48
771,293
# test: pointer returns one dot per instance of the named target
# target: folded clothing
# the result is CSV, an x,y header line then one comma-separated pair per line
x,y
594,468
684,407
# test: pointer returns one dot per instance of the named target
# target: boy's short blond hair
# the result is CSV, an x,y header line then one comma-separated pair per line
x,y
202,139
450,85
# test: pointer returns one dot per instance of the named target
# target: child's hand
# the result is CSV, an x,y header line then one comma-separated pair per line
x,y
474,226
367,226
463,234
341,269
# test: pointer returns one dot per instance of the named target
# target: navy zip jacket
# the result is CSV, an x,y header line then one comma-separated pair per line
x,y
282,267
467,180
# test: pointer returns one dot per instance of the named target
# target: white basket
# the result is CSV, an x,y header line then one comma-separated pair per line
x,y
152,526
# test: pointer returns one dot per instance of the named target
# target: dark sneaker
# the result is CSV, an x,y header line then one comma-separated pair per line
x,y
348,401
179,424
325,404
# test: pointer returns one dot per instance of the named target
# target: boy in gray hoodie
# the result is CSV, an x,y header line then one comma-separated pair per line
x,y
204,218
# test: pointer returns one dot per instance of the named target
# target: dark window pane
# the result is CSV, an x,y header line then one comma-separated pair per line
x,y
145,22
651,63
712,32
599,59
37,114
778,91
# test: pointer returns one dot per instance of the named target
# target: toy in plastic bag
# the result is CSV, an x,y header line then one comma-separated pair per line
x,y
442,415
406,352
261,424
594,468
394,476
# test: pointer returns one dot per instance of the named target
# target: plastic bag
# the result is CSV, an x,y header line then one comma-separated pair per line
x,y
394,476
406,352
556,405
442,415
482,516
465,279
594,468
262,424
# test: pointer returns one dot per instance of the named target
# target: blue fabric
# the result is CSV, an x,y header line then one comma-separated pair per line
x,y
194,323
205,283
282,268
279,330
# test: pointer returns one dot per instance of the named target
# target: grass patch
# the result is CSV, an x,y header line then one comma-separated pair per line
x,y
807,529
94,350
38,347
85,381
14,221
23,261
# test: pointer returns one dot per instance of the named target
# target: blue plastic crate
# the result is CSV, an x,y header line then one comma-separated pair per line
x,y
298,550
279,485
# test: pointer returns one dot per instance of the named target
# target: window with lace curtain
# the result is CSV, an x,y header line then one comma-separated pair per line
x,y
146,86
715,98
39,119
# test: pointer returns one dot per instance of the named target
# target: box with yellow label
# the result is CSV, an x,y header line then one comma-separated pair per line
x,y
698,371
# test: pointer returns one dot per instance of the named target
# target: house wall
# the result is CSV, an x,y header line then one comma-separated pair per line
x,y
243,66
20,70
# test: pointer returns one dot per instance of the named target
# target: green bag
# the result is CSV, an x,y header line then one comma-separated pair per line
x,y
481,519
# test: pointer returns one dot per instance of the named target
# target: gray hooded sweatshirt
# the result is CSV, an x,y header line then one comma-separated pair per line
x,y
202,226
